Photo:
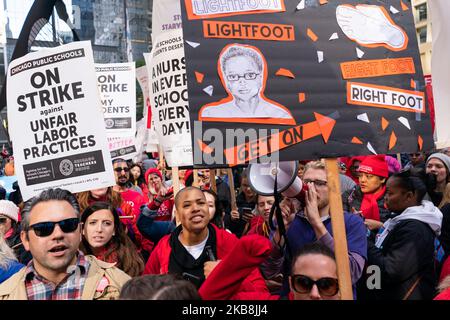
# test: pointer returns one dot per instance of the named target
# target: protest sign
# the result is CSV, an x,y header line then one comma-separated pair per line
x,y
122,147
169,97
282,80
166,16
56,122
117,87
440,69
146,137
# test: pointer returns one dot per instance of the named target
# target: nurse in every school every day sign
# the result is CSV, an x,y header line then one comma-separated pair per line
x,y
56,122
309,79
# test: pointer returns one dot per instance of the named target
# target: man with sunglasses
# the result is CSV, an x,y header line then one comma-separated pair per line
x,y
313,224
126,189
59,271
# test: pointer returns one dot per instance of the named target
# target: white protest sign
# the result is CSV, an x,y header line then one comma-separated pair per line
x,y
169,97
56,122
166,16
146,134
117,87
122,147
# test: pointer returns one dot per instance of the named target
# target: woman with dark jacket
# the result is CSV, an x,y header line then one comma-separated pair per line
x,y
10,228
245,202
404,247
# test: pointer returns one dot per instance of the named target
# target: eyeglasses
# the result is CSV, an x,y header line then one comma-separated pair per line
x,y
246,76
44,229
2,220
119,169
303,284
317,183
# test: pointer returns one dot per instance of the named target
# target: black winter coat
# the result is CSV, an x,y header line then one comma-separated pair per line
x,y
407,253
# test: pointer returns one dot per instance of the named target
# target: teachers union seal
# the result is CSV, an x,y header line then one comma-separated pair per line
x,y
66,167
109,123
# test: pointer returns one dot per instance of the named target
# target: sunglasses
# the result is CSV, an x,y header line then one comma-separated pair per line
x,y
303,284
44,229
2,220
119,169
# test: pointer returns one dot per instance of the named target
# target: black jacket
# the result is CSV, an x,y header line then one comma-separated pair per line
x,y
407,253
444,238
237,226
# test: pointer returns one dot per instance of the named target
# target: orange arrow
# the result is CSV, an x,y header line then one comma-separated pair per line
x,y
251,150
204,148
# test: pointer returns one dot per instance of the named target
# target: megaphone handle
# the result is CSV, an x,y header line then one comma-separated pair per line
x,y
278,215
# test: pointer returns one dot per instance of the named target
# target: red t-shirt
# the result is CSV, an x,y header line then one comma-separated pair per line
x,y
134,199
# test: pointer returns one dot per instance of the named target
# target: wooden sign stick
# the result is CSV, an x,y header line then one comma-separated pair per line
x,y
233,194
195,181
338,226
212,180
176,189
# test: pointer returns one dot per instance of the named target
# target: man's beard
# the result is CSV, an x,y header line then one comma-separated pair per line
x,y
122,184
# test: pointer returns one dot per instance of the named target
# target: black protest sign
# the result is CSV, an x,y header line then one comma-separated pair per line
x,y
286,80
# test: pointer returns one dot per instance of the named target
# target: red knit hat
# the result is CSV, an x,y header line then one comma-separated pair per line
x,y
188,173
152,171
375,165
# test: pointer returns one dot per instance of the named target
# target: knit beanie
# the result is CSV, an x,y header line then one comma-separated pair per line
x,y
152,171
375,165
441,156
9,209
393,164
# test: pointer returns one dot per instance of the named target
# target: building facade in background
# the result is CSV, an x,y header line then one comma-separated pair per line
x,y
100,21
422,20
103,22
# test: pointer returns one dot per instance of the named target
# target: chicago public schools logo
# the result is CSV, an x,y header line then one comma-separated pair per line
x,y
109,123
66,167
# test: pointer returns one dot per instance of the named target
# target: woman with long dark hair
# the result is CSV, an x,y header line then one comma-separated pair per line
x,y
104,237
215,208
137,178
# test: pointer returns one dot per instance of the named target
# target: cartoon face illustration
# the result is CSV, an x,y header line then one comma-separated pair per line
x,y
243,72
242,77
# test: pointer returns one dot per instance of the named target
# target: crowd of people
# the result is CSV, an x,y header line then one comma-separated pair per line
x,y
139,240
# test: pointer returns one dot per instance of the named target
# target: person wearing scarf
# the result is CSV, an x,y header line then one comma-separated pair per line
x,y
404,249
367,198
